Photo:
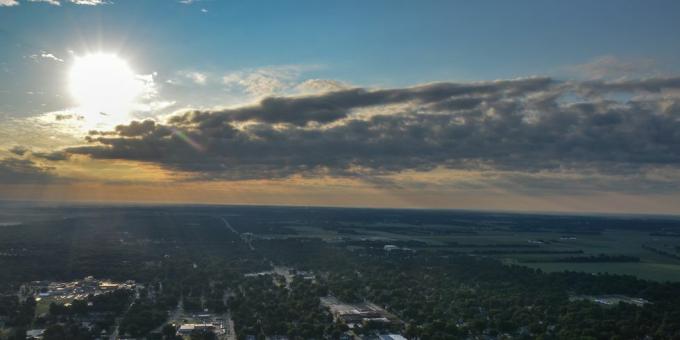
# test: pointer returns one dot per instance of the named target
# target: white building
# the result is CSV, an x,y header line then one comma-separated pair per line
x,y
188,328
391,337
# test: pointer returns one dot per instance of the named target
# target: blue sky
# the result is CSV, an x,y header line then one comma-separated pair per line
x,y
538,105
387,43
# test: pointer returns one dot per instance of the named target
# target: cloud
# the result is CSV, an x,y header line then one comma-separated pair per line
x,y
316,86
58,2
90,2
49,156
266,81
523,131
8,3
187,2
196,77
45,55
19,150
647,85
333,106
612,67
67,116
573,183
24,171
51,2
52,156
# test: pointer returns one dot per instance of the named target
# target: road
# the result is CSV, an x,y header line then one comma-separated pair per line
x,y
248,242
229,332
226,223
114,335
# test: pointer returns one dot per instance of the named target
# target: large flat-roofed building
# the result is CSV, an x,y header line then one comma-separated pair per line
x,y
357,313
391,337
189,328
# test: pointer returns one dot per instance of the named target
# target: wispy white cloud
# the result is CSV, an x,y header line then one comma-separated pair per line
x,y
196,77
312,86
90,2
267,80
51,2
612,68
46,55
59,2
8,3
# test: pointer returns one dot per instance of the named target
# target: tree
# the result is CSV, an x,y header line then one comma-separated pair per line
x,y
55,332
169,332
203,335
18,334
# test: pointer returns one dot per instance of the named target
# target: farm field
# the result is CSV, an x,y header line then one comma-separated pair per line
x,y
547,248
646,247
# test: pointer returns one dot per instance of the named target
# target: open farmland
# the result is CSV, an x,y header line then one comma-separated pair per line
x,y
592,244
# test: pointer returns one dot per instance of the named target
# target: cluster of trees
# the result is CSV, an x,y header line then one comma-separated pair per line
x,y
100,311
440,297
68,331
263,306
65,322
142,318
17,313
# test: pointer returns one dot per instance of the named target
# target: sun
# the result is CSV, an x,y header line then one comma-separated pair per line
x,y
104,86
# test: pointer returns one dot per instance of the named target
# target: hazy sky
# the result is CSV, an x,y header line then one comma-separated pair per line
x,y
517,105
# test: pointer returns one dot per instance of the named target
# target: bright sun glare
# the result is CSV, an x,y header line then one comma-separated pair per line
x,y
104,86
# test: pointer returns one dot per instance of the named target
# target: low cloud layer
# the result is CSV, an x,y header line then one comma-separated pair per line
x,y
24,171
529,127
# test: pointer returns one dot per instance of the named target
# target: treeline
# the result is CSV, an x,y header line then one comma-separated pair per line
x,y
491,245
505,251
381,244
666,234
586,259
661,252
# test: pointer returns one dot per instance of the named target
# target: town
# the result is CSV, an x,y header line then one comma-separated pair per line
x,y
81,299
254,273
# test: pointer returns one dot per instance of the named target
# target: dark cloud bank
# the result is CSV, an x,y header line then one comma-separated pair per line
x,y
24,171
527,126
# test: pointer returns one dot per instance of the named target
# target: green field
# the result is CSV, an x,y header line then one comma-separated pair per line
x,y
651,266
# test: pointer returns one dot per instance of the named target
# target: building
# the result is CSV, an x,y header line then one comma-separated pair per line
x,y
391,337
189,328
35,333
358,313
